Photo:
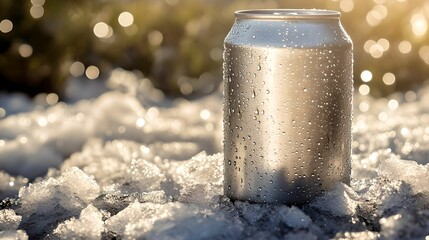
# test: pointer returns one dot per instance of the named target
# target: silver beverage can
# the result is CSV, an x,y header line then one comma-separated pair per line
x,y
288,92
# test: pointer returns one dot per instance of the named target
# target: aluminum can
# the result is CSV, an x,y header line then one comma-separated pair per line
x,y
288,92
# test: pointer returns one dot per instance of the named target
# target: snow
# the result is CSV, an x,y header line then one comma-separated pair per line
x,y
118,159
13,235
78,228
9,220
340,201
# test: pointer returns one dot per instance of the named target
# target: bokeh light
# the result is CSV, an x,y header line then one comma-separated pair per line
x,y
364,106
205,114
389,78
25,50
38,2
155,38
424,53
383,116
366,76
126,19
37,11
140,122
410,96
376,15
77,69
364,89
92,72
419,24
405,47
2,112
102,30
6,26
52,98
392,104
384,44
347,5
216,54
376,48
182,53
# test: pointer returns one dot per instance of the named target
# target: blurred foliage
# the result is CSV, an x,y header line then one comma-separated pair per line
x,y
178,43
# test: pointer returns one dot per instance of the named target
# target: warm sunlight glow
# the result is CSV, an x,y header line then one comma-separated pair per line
x,y
25,50
389,78
6,26
126,19
92,72
419,24
366,76
102,30
405,47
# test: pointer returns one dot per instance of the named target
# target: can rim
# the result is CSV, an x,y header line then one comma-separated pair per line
x,y
288,14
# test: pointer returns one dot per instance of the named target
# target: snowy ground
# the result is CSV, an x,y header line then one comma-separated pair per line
x,y
130,164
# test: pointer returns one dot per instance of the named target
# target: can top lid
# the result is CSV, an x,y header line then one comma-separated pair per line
x,y
288,14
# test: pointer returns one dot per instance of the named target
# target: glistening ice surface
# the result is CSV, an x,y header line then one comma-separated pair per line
x,y
130,164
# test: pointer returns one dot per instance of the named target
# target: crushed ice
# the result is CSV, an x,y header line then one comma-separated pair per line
x,y
128,163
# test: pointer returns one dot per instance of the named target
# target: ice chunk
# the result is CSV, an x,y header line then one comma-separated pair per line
x,y
143,176
416,175
200,178
108,162
138,218
253,213
114,203
203,225
124,167
120,167
89,225
199,193
340,201
73,188
55,199
134,213
9,220
382,197
200,168
13,235
171,220
294,217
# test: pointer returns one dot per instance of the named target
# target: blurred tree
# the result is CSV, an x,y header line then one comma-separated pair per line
x,y
178,43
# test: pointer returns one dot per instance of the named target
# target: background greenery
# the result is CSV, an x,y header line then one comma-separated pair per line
x,y
178,43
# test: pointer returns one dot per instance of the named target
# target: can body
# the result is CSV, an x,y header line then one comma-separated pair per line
x,y
288,91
